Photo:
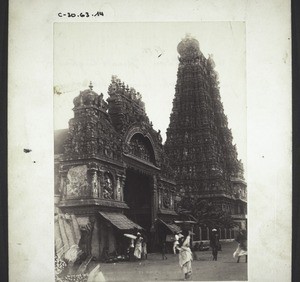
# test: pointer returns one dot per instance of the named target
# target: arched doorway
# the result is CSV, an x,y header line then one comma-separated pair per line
x,y
137,195
140,183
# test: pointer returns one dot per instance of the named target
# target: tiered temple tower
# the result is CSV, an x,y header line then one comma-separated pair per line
x,y
112,173
199,142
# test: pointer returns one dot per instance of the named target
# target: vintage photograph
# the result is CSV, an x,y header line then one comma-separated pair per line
x,y
150,151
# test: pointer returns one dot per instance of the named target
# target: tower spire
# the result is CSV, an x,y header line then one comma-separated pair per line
x,y
199,143
91,85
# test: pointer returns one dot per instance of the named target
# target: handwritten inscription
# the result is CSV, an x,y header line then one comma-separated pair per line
x,y
81,15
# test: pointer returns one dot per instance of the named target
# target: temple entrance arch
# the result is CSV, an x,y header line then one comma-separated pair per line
x,y
137,195
140,191
141,147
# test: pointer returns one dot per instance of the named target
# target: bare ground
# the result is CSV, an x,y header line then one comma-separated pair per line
x,y
156,269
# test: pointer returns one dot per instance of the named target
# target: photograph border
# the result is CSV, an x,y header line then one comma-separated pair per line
x,y
27,199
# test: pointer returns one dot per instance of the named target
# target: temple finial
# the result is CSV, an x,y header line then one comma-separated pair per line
x,y
91,85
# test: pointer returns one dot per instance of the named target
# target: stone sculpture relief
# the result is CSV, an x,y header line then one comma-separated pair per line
x,y
77,182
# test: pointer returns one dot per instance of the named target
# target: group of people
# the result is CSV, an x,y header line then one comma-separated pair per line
x,y
239,252
182,244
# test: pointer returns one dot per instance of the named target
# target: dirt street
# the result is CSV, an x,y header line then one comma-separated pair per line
x,y
156,269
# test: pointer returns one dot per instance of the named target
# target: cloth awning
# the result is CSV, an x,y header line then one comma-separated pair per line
x,y
171,226
120,221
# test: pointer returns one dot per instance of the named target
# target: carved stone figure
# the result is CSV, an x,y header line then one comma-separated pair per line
x,y
77,182
95,185
166,200
108,192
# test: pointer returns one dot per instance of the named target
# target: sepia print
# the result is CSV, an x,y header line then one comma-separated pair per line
x,y
149,174
149,117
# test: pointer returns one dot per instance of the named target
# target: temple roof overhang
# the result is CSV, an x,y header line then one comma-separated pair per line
x,y
120,221
171,226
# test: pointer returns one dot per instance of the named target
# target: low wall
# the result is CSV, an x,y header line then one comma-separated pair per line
x,y
206,242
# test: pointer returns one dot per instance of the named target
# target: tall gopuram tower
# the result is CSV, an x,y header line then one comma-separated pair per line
x,y
199,142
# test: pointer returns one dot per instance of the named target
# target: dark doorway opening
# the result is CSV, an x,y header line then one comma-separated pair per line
x,y
137,195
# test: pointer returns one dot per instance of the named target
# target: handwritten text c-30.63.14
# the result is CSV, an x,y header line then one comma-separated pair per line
x,y
80,15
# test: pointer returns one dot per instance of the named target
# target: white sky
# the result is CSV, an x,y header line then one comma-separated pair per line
x,y
85,52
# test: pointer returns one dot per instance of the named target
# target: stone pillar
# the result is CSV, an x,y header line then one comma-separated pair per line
x,y
101,183
118,192
159,198
200,233
94,183
154,206
123,178
154,200
192,237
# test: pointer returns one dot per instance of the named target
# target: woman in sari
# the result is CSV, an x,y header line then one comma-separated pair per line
x,y
185,255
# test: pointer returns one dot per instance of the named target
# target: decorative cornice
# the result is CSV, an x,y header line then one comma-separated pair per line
x,y
83,160
216,195
162,179
140,163
92,202
239,216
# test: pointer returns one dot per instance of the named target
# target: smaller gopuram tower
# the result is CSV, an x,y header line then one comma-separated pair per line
x,y
112,174
199,142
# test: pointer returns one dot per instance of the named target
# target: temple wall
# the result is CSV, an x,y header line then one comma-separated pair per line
x,y
111,239
101,237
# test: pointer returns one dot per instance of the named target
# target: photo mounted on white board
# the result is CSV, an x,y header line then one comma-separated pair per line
x,y
146,161
152,136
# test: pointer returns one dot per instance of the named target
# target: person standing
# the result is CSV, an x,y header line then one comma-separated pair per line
x,y
138,246
131,250
176,242
214,244
144,250
185,254
163,251
242,246
144,246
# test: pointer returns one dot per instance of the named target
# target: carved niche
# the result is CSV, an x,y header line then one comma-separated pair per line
x,y
108,186
165,199
95,184
120,185
167,204
77,183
